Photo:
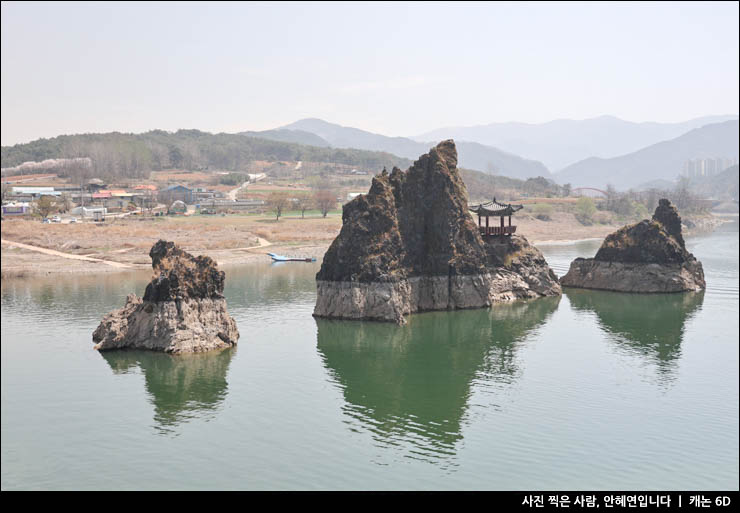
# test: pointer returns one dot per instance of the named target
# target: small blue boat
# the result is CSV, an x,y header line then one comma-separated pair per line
x,y
281,258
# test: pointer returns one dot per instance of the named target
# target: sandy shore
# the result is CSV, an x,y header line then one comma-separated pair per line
x,y
18,262
30,248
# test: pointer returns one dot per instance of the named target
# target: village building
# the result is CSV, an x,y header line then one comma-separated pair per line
x,y
146,188
17,209
113,199
95,184
202,195
176,193
98,197
29,194
89,211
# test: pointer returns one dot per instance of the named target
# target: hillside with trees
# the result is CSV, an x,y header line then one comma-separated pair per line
x,y
484,187
117,155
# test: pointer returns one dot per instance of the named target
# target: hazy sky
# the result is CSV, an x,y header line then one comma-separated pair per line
x,y
396,69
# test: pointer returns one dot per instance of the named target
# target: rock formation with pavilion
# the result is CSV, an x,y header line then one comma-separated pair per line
x,y
411,245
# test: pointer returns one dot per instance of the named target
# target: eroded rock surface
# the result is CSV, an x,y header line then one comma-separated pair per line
x,y
649,256
183,309
410,245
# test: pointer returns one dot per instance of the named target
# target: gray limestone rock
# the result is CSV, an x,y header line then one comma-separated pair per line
x,y
649,257
183,310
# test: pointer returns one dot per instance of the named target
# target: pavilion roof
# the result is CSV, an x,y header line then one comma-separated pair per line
x,y
494,208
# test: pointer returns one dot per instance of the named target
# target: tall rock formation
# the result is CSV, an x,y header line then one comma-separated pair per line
x,y
649,256
410,245
183,309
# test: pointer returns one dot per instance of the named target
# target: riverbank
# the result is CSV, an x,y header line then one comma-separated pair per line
x,y
31,249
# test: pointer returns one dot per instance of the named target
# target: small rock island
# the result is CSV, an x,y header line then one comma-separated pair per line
x,y
649,257
411,245
183,309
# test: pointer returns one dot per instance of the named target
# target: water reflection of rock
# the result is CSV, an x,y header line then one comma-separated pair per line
x,y
650,325
180,387
411,384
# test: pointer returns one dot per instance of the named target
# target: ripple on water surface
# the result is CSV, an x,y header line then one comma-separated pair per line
x,y
593,390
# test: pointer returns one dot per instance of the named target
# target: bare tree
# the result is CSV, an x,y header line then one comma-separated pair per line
x,y
651,199
303,203
277,201
80,174
611,197
682,196
325,199
65,202
159,155
150,200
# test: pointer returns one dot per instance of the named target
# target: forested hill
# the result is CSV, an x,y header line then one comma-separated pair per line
x,y
135,155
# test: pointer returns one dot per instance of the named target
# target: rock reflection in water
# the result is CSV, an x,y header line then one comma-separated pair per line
x,y
180,387
650,325
411,384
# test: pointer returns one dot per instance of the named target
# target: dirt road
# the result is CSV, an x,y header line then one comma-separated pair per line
x,y
66,255
233,192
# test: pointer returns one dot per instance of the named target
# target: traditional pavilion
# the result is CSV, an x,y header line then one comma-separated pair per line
x,y
495,209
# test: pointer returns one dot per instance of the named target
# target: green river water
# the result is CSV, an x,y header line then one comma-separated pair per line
x,y
592,390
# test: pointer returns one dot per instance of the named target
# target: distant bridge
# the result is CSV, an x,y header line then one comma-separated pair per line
x,y
578,189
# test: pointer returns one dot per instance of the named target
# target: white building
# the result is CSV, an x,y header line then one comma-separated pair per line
x,y
88,211
696,168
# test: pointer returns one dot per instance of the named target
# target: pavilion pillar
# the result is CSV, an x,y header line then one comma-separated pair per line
x,y
486,225
509,225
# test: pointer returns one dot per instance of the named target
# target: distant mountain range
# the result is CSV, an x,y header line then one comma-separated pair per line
x,y
639,152
470,155
561,143
661,161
